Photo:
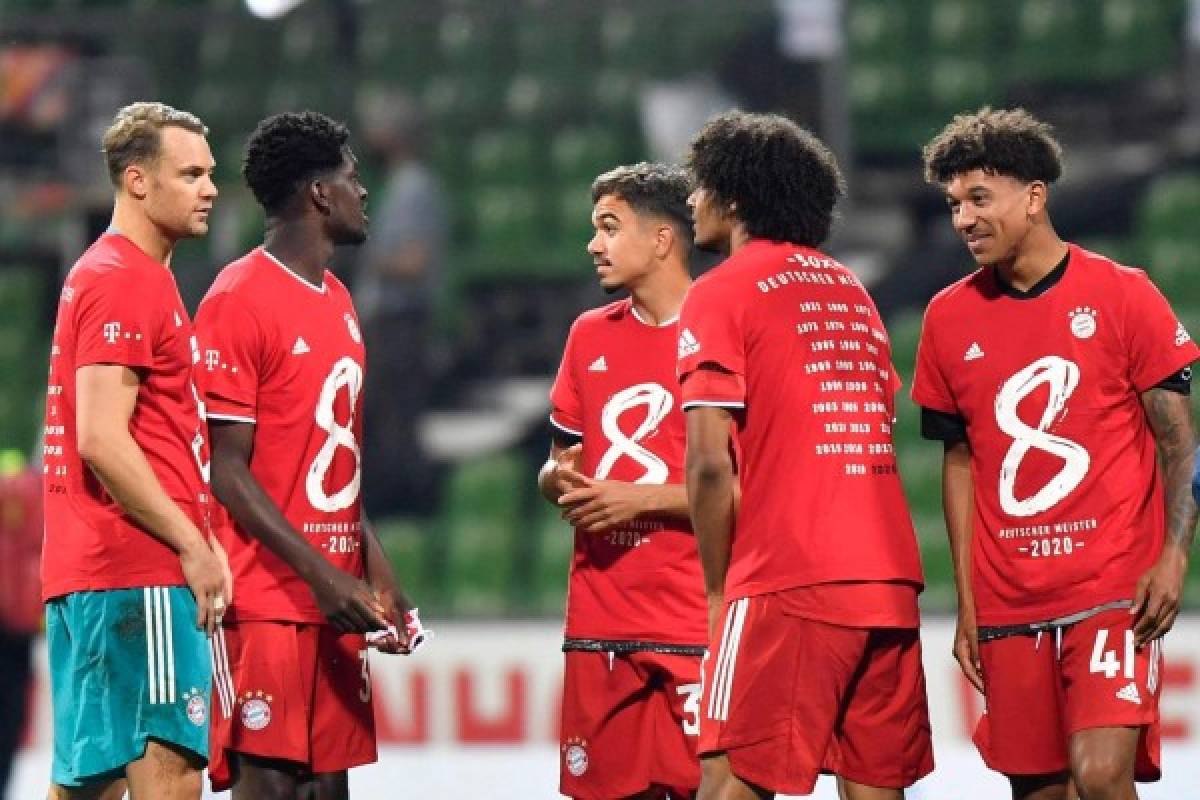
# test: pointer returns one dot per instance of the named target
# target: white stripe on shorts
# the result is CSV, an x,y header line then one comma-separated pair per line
x,y
150,671
167,622
720,665
718,707
1155,656
161,696
221,677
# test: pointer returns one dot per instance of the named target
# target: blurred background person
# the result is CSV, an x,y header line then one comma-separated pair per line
x,y
20,596
400,275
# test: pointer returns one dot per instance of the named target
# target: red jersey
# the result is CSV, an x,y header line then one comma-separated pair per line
x,y
119,306
1069,508
616,388
800,347
288,357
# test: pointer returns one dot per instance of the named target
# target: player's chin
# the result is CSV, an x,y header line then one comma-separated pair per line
x,y
611,284
197,227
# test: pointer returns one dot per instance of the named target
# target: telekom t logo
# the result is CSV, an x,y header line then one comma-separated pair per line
x,y
112,332
211,359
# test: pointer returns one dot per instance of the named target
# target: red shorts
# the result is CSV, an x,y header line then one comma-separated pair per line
x,y
787,698
297,692
629,722
1040,689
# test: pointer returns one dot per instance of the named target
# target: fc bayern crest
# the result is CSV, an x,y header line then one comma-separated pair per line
x,y
575,756
197,709
256,711
352,326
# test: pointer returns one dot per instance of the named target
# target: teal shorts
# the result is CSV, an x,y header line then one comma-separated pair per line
x,y
126,666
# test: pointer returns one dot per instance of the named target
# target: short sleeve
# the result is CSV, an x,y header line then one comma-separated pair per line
x,y
232,355
566,408
930,388
117,321
712,349
1158,344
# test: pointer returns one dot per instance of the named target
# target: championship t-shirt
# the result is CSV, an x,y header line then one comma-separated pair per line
x,y
1069,508
287,356
616,389
788,337
119,306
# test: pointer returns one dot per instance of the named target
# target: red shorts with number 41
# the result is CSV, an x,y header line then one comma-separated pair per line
x,y
290,691
1042,688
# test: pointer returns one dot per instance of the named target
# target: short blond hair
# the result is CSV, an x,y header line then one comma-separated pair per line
x,y
134,137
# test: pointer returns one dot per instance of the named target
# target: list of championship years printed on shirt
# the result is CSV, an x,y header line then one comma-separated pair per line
x,y
847,352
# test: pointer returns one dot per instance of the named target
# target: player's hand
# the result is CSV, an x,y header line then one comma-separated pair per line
x,y
208,580
593,505
404,640
1156,599
348,603
966,648
223,557
565,462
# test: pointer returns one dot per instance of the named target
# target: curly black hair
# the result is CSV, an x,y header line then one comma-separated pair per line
x,y
1009,142
658,189
287,151
781,180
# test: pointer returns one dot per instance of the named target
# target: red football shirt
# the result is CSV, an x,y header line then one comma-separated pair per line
x,y
288,356
616,388
1069,508
119,306
799,346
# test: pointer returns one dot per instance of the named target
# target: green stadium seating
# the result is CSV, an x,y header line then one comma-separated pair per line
x,y
1055,42
1169,236
1137,37
24,356
481,518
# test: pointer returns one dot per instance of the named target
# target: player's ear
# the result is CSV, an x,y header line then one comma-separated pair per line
x,y
664,240
135,180
318,196
1038,192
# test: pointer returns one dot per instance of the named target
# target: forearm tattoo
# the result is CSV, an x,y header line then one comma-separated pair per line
x,y
1170,418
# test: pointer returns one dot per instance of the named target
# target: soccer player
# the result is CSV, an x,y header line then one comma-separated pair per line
x,y
131,576
1049,374
814,659
635,612
284,376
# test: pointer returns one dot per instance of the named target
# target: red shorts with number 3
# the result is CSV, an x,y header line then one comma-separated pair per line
x,y
629,722
290,691
1041,689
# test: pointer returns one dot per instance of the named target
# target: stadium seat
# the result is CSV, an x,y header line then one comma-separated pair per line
x,y
24,354
503,154
1055,42
1169,237
480,519
1137,37
884,30
507,225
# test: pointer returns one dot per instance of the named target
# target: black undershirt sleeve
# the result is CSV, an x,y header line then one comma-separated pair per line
x,y
940,426
563,438
1179,382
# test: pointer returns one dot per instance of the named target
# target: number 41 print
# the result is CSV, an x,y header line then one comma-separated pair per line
x,y
1106,660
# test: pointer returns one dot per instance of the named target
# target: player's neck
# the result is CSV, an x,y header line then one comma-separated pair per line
x,y
130,222
738,238
1040,253
304,250
659,300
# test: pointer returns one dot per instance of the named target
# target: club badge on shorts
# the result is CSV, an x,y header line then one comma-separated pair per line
x,y
256,710
575,755
196,707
